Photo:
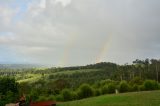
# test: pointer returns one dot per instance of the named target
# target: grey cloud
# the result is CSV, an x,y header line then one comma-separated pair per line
x,y
84,30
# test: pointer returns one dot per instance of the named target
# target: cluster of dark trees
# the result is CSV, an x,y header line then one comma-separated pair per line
x,y
9,90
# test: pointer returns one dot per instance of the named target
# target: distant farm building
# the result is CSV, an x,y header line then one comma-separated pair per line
x,y
46,103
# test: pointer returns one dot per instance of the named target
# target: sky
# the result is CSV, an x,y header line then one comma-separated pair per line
x,y
78,32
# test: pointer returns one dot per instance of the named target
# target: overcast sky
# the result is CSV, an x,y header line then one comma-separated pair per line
x,y
78,32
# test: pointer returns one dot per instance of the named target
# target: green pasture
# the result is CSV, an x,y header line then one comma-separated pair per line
x,y
147,98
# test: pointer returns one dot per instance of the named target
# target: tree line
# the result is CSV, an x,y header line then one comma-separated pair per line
x,y
81,82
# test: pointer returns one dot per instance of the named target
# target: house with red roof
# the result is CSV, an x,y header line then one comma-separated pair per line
x,y
45,103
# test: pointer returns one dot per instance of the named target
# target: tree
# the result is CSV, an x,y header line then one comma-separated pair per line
x,y
85,91
8,84
105,89
136,80
150,85
34,95
139,64
155,63
8,90
123,87
67,95
61,84
111,88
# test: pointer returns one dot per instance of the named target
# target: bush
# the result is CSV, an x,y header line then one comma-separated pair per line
x,y
111,88
150,85
123,87
108,89
97,85
8,98
97,92
136,80
141,88
135,87
59,98
67,95
52,98
34,95
105,89
42,98
74,96
104,82
85,91
2,103
8,84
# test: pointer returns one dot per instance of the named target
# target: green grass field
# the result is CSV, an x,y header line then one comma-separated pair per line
x,y
150,98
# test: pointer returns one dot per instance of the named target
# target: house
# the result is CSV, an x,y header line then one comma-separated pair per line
x,y
46,103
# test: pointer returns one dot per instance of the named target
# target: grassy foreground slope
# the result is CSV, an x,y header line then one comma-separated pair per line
x,y
150,98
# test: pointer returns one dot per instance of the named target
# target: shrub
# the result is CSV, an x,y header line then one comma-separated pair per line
x,y
108,89
42,98
150,85
141,88
104,89
97,85
8,98
85,91
135,87
52,97
34,95
59,98
111,88
2,103
136,80
159,86
74,96
97,92
8,84
104,82
123,87
67,95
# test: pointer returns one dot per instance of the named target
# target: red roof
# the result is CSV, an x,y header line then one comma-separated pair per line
x,y
46,103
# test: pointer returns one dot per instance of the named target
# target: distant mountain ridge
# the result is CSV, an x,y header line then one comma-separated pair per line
x,y
20,66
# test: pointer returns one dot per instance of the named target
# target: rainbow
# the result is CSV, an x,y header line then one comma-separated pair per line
x,y
69,45
104,49
71,42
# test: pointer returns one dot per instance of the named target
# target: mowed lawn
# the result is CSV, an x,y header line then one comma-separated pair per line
x,y
147,98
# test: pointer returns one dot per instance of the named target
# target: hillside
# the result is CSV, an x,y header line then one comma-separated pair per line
x,y
148,98
79,82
